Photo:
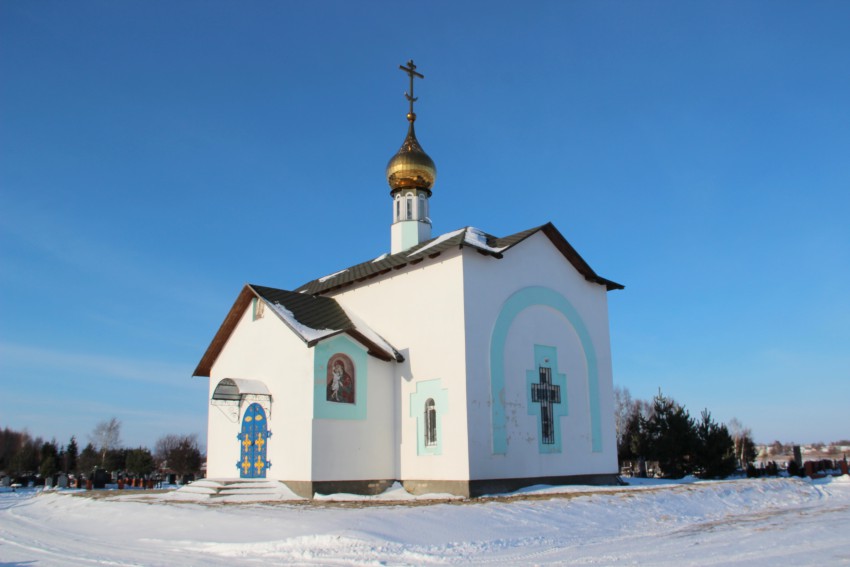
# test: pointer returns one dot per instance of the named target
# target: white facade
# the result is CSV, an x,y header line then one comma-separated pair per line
x,y
536,265
422,316
476,332
266,350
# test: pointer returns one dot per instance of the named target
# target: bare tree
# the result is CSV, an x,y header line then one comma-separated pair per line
x,y
745,450
623,408
106,436
777,448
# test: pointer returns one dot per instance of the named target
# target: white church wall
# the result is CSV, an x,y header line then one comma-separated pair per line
x,y
505,441
358,444
265,349
420,311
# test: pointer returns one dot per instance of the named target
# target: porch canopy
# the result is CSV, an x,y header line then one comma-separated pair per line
x,y
237,389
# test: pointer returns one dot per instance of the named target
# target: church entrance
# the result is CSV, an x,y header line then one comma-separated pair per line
x,y
253,441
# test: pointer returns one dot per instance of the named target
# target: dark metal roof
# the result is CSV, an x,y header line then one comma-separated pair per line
x,y
315,312
317,318
484,243
320,314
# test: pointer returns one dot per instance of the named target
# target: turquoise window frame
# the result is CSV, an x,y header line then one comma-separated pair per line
x,y
425,390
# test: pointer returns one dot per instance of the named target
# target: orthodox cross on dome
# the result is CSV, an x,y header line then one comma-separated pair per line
x,y
546,394
411,70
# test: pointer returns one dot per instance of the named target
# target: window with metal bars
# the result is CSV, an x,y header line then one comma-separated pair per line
x,y
545,393
430,423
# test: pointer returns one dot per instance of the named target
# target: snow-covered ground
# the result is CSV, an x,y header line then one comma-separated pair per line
x,y
741,522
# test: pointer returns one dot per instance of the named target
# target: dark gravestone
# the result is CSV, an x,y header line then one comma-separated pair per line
x,y
798,456
99,478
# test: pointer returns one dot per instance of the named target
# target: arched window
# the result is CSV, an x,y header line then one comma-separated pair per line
x,y
397,208
409,207
430,423
422,214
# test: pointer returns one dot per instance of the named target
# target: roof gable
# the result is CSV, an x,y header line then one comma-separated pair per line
x,y
465,237
311,318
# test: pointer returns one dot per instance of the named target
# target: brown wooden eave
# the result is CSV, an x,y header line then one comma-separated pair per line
x,y
575,259
224,331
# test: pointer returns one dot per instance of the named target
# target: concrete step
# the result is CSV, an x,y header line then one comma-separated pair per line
x,y
216,488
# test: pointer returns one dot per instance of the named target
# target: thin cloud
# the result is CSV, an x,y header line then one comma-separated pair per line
x,y
139,370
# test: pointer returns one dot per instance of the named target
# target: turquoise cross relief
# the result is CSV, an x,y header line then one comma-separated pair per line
x,y
546,389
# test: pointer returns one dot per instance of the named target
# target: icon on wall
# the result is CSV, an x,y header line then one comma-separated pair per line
x,y
342,379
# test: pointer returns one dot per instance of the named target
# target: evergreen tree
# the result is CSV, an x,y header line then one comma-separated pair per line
x,y
115,460
27,459
71,454
10,443
715,454
49,460
626,449
671,437
140,462
88,459
180,453
634,441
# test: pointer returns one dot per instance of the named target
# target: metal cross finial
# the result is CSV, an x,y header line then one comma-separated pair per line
x,y
411,70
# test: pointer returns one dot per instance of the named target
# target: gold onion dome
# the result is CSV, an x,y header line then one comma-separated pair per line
x,y
411,167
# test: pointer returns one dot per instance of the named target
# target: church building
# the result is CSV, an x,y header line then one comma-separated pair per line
x,y
464,363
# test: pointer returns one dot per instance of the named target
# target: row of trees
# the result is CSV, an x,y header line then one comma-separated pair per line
x,y
23,455
663,431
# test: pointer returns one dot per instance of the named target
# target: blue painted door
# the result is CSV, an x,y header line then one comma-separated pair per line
x,y
253,442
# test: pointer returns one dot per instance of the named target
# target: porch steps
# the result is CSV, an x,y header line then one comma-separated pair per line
x,y
255,488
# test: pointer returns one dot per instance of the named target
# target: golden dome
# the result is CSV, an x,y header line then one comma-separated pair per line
x,y
411,167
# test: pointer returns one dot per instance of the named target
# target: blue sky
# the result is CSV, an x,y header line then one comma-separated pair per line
x,y
155,156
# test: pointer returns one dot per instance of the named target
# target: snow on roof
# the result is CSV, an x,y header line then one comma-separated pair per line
x,y
439,240
367,332
467,236
478,238
381,257
333,275
307,333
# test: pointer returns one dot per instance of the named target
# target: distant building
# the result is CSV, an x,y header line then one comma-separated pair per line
x,y
465,363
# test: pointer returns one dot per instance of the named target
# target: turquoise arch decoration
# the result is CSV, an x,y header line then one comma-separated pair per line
x,y
516,304
547,356
324,409
425,390
253,443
